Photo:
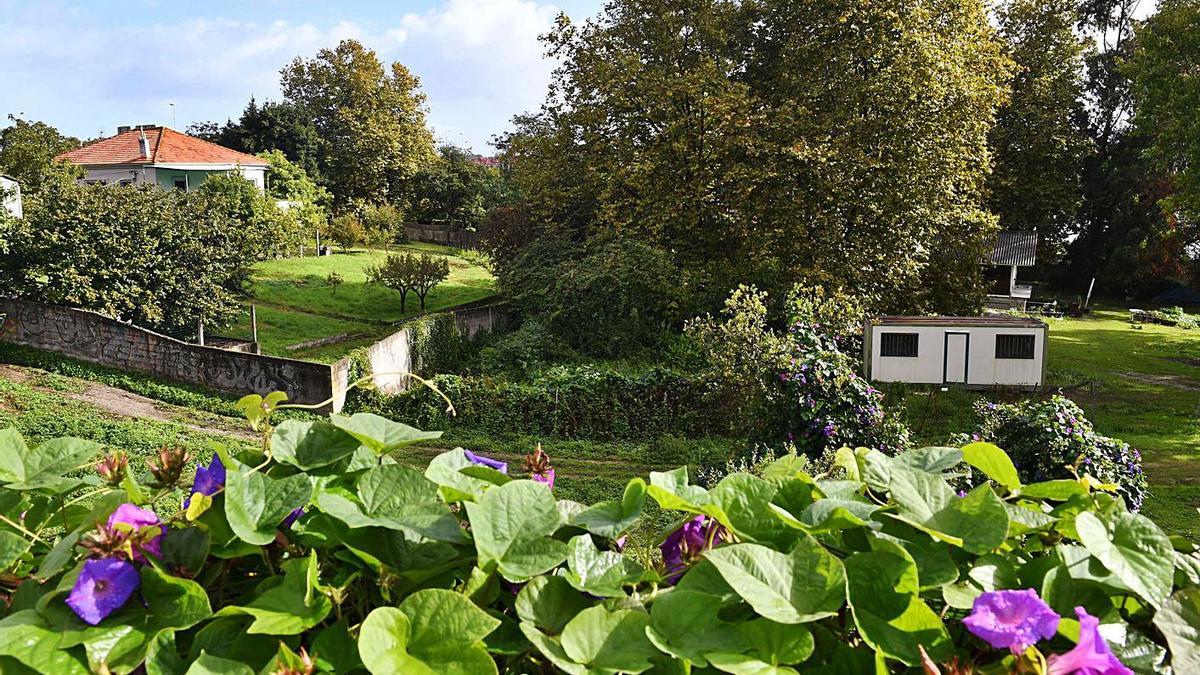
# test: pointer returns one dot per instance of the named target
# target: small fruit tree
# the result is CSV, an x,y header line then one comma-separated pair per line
x,y
408,272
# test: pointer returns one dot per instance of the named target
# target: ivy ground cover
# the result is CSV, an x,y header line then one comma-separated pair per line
x,y
315,552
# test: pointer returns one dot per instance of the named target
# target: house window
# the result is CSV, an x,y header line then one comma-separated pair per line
x,y
180,183
1014,346
898,344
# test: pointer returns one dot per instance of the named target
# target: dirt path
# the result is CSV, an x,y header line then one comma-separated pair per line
x,y
125,404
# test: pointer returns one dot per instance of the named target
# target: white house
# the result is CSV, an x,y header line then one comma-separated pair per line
x,y
10,195
162,156
979,351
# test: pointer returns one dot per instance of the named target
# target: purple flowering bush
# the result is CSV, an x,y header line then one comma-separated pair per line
x,y
1052,439
316,552
799,386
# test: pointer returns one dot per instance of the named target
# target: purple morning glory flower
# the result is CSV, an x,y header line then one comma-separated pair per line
x,y
687,543
1013,620
139,518
102,587
207,480
502,467
292,518
1091,656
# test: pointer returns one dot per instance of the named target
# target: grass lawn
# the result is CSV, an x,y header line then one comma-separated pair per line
x,y
296,304
1140,385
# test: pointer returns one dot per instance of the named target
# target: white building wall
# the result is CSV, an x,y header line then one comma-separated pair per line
x,y
114,175
256,175
12,196
983,368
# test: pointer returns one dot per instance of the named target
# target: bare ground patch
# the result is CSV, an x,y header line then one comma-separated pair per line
x,y
1173,381
125,404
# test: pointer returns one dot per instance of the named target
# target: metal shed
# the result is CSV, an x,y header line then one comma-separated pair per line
x,y
981,351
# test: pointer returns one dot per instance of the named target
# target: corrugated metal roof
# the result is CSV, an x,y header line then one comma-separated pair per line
x,y
998,320
1015,248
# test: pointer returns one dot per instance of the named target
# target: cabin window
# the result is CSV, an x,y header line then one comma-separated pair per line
x,y
898,344
1014,346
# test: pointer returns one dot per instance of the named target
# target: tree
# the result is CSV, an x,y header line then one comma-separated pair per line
x,y
273,231
457,189
397,272
405,272
289,182
1040,137
711,129
1125,243
28,149
334,280
161,259
371,118
430,271
610,298
271,126
347,230
383,223
1163,73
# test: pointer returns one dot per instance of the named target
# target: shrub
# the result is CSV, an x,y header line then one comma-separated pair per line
x,y
799,386
347,230
160,259
522,352
563,401
1052,439
608,299
316,553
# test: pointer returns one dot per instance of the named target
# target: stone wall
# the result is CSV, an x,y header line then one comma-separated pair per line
x,y
94,338
442,234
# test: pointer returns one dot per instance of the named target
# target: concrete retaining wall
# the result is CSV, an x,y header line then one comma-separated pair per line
x,y
390,358
94,338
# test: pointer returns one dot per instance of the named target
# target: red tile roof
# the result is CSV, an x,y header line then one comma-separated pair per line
x,y
167,146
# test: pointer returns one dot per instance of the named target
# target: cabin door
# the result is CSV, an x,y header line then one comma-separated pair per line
x,y
954,367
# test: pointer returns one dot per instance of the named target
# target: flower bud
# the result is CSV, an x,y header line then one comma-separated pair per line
x,y
538,465
168,467
113,467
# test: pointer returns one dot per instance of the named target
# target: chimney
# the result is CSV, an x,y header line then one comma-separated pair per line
x,y
123,128
144,145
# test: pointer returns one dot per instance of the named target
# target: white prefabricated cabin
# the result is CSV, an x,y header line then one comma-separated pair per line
x,y
981,351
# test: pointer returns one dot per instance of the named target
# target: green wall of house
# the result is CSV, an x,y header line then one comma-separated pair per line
x,y
166,177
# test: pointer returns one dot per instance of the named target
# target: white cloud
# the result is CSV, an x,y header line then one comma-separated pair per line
x,y
479,59
480,62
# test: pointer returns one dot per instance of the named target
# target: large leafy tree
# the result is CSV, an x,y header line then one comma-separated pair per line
x,y
769,141
271,126
371,118
28,149
161,259
1164,86
289,181
1040,137
457,189
1124,242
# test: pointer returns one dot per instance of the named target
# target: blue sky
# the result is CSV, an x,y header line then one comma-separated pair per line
x,y
86,67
